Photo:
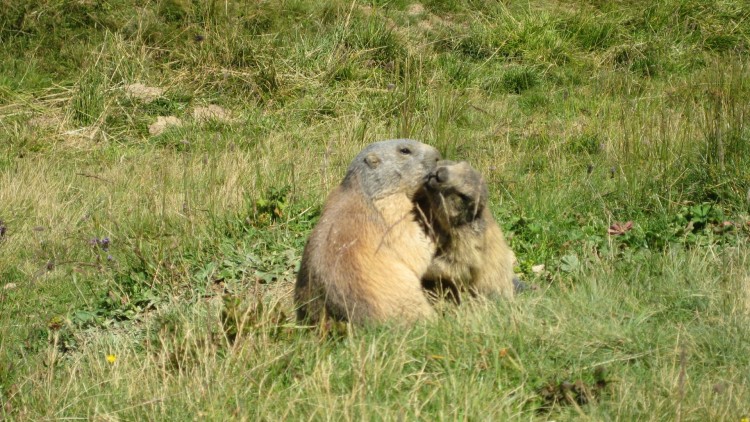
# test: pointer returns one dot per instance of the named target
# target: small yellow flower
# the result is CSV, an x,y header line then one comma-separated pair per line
x,y
111,358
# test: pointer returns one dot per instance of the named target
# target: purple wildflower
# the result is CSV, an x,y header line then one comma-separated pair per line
x,y
103,243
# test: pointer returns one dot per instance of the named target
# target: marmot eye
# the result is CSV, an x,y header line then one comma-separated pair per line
x,y
405,151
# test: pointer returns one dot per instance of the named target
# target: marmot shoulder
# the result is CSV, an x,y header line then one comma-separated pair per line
x,y
472,255
366,256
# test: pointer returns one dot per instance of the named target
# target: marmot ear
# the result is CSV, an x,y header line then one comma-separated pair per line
x,y
372,160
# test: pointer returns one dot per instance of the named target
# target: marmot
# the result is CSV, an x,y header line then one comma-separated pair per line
x,y
472,255
366,256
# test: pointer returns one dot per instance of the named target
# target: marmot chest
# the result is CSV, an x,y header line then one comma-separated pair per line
x,y
404,236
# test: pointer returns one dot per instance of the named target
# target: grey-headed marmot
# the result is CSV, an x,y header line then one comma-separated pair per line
x,y
472,254
366,256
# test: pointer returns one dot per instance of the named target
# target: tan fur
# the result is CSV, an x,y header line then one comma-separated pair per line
x,y
472,254
366,256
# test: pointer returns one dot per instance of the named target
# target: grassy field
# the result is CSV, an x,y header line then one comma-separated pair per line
x,y
162,163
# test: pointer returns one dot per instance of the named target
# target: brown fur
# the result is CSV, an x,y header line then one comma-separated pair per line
x,y
472,255
365,258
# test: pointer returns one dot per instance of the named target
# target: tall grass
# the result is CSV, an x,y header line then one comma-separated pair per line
x,y
579,114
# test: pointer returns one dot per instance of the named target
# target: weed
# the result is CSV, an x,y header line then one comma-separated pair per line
x,y
271,206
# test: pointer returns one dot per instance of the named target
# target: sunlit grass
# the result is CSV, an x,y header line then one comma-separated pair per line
x,y
579,114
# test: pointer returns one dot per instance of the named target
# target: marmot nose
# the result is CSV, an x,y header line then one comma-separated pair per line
x,y
441,175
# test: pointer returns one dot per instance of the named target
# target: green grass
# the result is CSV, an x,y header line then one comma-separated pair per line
x,y
579,114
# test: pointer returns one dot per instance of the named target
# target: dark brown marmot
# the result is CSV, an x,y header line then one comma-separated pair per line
x,y
472,255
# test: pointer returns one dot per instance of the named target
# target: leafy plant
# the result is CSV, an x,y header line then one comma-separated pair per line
x,y
271,206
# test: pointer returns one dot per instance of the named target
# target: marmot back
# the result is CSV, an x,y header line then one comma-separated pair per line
x,y
366,256
472,254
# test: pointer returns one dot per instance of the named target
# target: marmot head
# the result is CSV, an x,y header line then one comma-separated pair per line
x,y
390,167
457,193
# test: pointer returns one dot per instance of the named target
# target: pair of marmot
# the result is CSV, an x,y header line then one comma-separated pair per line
x,y
402,226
